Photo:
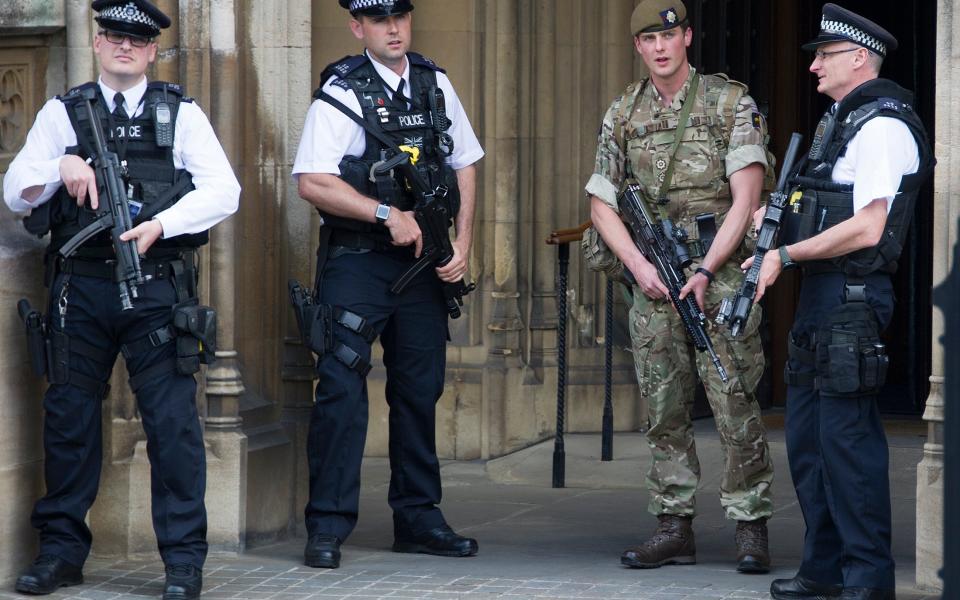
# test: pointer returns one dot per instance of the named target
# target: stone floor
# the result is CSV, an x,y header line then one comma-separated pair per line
x,y
535,542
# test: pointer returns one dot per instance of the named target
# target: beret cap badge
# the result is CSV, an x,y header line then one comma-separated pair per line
x,y
669,16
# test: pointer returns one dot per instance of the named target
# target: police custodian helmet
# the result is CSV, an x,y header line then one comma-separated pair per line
x,y
657,15
377,8
839,24
133,17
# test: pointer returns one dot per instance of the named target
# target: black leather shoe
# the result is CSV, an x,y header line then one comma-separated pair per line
x,y
441,541
183,582
322,551
861,593
801,588
47,574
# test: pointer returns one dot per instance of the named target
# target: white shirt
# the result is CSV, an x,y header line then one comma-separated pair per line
x,y
329,135
877,158
195,148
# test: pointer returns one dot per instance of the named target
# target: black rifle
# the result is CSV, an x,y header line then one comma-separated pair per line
x,y
113,213
434,220
651,237
735,311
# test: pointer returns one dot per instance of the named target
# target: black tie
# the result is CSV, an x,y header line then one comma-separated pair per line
x,y
398,95
118,111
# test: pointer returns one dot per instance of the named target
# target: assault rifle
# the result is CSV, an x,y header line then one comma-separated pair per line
x,y
651,237
113,213
434,220
735,311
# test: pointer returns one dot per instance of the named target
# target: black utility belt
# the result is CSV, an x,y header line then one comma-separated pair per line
x,y
152,268
366,241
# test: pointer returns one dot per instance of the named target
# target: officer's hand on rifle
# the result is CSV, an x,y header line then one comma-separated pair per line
x,y
145,233
698,285
758,219
404,230
647,279
769,271
79,179
456,269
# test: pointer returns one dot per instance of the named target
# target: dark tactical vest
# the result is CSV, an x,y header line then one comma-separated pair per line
x,y
157,184
414,127
819,204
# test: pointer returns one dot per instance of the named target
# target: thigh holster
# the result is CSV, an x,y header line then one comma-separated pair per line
x,y
316,323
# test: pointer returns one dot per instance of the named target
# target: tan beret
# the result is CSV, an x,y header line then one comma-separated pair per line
x,y
657,15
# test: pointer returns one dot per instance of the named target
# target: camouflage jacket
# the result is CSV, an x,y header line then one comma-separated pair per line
x,y
725,133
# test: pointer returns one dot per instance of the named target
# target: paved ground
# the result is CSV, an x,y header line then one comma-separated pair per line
x,y
535,542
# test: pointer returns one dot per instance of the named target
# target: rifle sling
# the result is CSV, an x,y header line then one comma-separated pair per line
x,y
681,128
367,126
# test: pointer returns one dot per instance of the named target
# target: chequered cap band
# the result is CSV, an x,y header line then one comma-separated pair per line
x,y
356,5
858,35
128,13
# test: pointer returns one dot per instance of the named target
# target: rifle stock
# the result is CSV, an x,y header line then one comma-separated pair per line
x,y
661,252
735,311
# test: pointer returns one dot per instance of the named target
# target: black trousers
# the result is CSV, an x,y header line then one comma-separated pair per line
x,y
839,457
412,327
72,429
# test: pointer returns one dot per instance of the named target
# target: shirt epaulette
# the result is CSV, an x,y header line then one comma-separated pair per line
x,y
419,59
74,93
340,82
342,67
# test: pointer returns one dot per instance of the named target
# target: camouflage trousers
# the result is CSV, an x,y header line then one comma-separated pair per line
x,y
667,366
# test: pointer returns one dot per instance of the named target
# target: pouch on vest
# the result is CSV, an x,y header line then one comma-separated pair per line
x,y
850,358
196,327
800,217
599,257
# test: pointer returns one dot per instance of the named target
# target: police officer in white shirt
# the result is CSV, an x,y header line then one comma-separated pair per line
x,y
845,227
179,184
385,104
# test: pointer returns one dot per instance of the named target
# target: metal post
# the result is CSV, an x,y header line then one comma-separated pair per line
x,y
945,296
606,433
559,455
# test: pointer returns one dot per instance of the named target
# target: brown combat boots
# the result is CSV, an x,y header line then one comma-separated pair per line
x,y
753,553
671,544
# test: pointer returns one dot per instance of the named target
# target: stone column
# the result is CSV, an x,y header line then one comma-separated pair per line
x,y
501,213
945,212
81,65
227,460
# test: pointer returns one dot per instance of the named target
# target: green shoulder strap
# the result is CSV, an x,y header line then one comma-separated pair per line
x,y
681,127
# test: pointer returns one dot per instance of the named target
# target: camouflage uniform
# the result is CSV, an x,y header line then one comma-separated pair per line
x,y
725,134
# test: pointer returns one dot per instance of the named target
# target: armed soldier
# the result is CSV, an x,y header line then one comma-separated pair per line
x,y
715,163
374,114
846,225
171,173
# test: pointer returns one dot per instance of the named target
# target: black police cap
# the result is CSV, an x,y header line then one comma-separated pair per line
x,y
134,17
839,24
377,8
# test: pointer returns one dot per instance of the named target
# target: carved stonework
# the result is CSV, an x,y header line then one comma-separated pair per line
x,y
13,105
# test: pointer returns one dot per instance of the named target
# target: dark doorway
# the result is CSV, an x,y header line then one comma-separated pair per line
x,y
758,42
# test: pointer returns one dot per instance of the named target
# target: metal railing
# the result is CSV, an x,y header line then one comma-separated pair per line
x,y
562,238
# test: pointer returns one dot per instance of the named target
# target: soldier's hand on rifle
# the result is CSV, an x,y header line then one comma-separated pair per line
x,y
145,233
456,269
405,231
79,179
769,271
697,284
648,280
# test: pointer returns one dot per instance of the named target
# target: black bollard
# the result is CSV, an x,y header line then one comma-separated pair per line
x,y
606,431
946,296
559,455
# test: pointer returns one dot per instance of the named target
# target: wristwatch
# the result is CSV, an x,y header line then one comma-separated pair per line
x,y
383,213
785,261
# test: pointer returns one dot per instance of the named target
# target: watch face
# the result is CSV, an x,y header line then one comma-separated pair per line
x,y
383,211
